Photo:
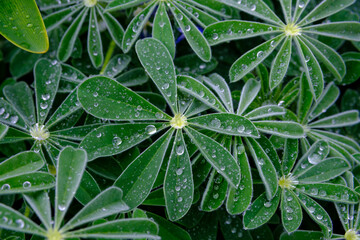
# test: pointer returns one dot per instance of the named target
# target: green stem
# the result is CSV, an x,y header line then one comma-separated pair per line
x,y
27,211
109,53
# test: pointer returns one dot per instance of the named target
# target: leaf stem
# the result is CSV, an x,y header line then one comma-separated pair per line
x,y
109,53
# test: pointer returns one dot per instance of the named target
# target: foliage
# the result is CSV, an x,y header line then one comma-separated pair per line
x,y
183,128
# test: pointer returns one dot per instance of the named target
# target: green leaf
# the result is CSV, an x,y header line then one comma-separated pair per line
x,y
346,142
21,98
21,163
325,170
122,4
312,68
168,230
257,8
328,56
133,77
217,156
325,9
88,189
139,177
117,64
106,98
16,26
199,91
344,30
40,204
3,130
317,213
13,220
265,112
226,123
280,64
305,99
94,44
265,167
326,100
47,76
291,213
68,179
260,211
286,9
115,29
329,192
281,128
119,229
248,61
158,63
291,150
300,6
113,139
67,42
343,119
239,199
28,182
107,203
53,20
248,94
162,29
317,153
215,192
202,18
178,183
136,25
219,85
235,29
191,64
192,34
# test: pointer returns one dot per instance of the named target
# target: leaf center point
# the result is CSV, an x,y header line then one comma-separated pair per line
x,y
178,121
90,3
288,182
351,234
39,132
54,234
292,30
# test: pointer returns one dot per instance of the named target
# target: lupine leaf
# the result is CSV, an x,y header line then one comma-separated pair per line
x,y
324,9
28,34
138,178
123,4
40,203
327,99
112,139
178,183
343,119
193,36
265,112
94,44
291,149
158,63
105,204
47,76
106,98
260,211
281,128
68,179
266,168
305,99
324,171
248,94
115,29
291,213
217,156
280,64
21,163
226,123
53,20
162,29
252,58
234,29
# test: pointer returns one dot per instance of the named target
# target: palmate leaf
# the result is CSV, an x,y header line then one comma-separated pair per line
x,y
139,177
16,26
94,44
281,63
40,203
344,30
217,156
106,98
248,94
347,118
158,63
178,183
291,213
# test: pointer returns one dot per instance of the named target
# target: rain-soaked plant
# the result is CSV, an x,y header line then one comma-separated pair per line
x,y
148,132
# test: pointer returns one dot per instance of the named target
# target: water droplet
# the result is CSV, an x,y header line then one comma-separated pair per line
x,y
20,223
187,28
301,4
116,141
150,129
165,86
215,123
2,110
45,96
61,208
216,196
29,25
14,119
215,36
99,135
314,158
260,54
179,171
253,7
180,150
267,204
26,184
180,199
5,187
